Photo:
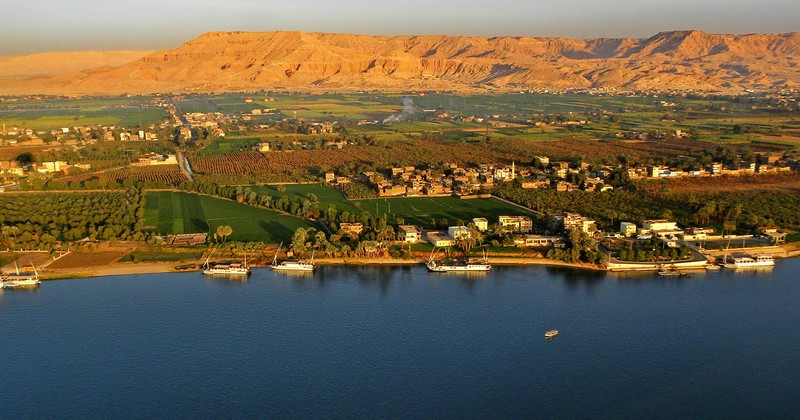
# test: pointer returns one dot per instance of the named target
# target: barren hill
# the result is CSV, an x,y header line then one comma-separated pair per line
x,y
53,63
246,61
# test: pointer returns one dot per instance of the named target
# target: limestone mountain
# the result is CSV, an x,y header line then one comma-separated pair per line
x,y
247,61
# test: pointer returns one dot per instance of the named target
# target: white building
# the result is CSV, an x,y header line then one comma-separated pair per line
x,y
440,239
458,232
627,228
659,224
481,223
410,233
518,224
660,228
51,167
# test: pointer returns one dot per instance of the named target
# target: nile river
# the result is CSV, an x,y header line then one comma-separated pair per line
x,y
400,342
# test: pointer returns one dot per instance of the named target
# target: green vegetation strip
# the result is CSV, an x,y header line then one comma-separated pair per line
x,y
177,212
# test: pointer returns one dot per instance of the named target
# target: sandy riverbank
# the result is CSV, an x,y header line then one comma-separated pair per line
x,y
122,269
108,270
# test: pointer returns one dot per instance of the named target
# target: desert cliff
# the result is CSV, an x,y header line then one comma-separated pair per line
x,y
248,61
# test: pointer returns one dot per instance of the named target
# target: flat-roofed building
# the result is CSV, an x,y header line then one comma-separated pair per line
x,y
458,232
541,241
352,228
481,223
517,224
440,239
410,233
627,228
569,221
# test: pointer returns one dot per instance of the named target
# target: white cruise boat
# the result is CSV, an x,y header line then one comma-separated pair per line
x,y
461,265
759,260
458,266
231,269
291,265
21,280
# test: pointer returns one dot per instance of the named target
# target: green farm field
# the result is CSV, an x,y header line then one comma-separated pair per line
x,y
326,195
50,119
421,210
170,212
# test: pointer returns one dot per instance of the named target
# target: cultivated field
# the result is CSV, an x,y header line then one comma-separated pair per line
x,y
326,195
174,212
424,210
74,115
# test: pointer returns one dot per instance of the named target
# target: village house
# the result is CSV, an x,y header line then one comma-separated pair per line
x,y
410,233
562,186
352,228
627,228
440,239
335,144
458,232
660,228
386,190
187,239
516,224
11,168
696,234
53,167
535,184
156,159
481,223
568,221
543,241
773,234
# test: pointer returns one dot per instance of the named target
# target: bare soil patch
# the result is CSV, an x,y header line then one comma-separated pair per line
x,y
90,259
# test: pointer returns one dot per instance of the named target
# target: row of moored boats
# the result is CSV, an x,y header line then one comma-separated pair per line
x,y
242,269
755,261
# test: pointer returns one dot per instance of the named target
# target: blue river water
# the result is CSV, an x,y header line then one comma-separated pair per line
x,y
401,342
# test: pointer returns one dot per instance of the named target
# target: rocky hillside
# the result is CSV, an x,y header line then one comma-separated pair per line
x,y
246,61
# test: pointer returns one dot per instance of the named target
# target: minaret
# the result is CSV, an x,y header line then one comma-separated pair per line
x,y
513,171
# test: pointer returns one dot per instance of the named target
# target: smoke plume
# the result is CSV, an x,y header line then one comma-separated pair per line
x,y
408,110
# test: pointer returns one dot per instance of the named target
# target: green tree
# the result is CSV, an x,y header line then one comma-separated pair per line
x,y
224,231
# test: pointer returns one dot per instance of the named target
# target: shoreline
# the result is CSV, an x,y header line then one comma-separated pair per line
x,y
128,268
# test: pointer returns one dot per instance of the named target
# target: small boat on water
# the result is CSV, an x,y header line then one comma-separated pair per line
x,y
291,265
21,280
712,267
671,272
230,269
551,334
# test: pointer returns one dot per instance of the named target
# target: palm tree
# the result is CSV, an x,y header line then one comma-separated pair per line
x,y
224,232
14,231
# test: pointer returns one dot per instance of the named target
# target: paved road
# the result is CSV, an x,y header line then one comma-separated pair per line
x,y
184,164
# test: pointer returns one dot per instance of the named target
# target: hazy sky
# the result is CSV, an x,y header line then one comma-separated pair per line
x,y
28,26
